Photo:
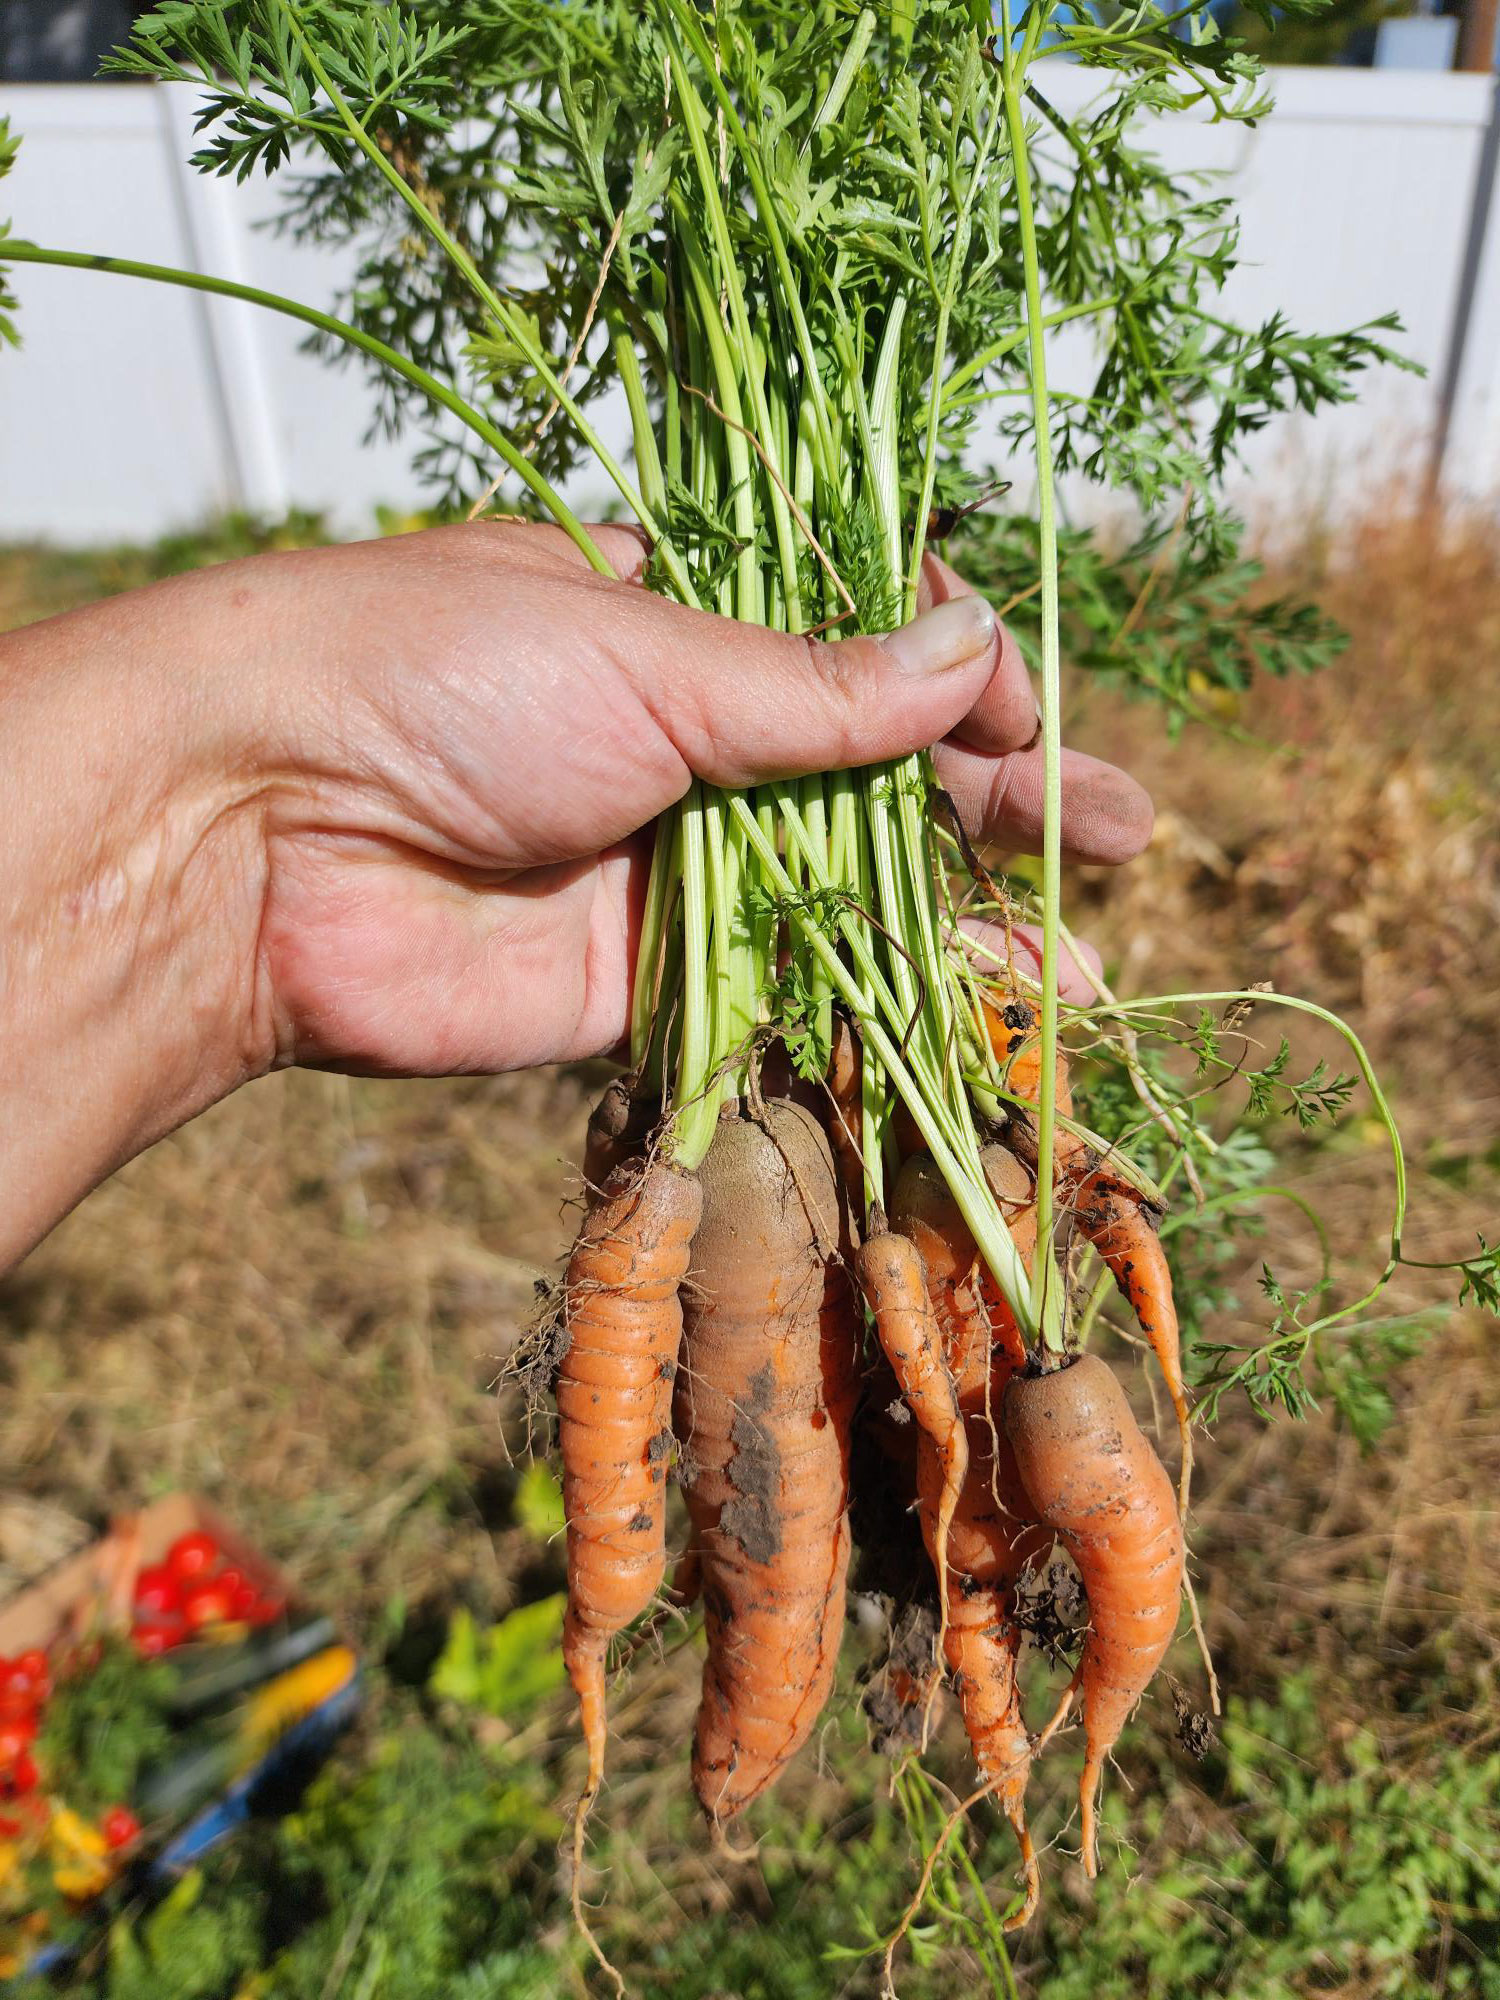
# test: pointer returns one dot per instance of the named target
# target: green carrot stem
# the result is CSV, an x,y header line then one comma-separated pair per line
x,y
14,251
1046,1287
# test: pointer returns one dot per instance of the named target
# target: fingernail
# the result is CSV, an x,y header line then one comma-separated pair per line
x,y
950,635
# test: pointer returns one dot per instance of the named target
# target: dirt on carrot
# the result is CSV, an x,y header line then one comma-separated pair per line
x,y
763,1407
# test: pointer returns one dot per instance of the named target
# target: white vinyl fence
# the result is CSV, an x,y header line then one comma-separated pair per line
x,y
133,410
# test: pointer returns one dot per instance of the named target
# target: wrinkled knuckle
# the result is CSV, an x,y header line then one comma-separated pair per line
x,y
840,672
835,665
999,794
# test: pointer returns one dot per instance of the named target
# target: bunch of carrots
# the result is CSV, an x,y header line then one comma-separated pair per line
x,y
738,1322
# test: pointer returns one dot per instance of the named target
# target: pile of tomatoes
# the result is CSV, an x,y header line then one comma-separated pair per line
x,y
83,1853
191,1592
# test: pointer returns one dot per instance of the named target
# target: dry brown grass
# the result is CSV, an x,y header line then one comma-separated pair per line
x,y
299,1303
1358,865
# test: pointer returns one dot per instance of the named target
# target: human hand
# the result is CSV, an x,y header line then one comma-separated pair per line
x,y
381,808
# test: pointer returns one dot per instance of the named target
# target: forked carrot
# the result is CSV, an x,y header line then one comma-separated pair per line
x,y
1091,1474
1114,1216
993,1536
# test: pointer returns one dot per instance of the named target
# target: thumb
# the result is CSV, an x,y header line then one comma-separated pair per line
x,y
743,704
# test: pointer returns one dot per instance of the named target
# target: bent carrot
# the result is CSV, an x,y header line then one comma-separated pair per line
x,y
890,1272
614,1405
1122,1226
993,1536
1115,1217
763,1409
1091,1474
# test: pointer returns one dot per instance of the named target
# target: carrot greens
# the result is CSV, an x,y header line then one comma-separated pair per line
x,y
786,276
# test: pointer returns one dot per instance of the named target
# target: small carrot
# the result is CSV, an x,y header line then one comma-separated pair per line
x,y
890,1272
614,1404
1091,1475
1122,1226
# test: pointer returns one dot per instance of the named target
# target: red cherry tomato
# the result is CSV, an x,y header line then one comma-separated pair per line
x,y
23,1682
242,1593
15,1739
192,1555
155,1636
23,1776
120,1827
33,1663
157,1591
207,1603
11,1829
267,1610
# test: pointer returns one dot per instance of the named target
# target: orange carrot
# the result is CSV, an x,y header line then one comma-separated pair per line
x,y
890,1272
763,1410
968,1304
614,1405
1114,1216
993,1536
1122,1227
1092,1476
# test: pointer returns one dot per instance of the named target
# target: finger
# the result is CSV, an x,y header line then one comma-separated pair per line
x,y
1074,984
1006,715
938,582
1107,817
524,709
741,704
1002,714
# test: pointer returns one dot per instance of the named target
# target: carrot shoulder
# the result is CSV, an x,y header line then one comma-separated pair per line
x,y
618,1127
1092,1475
